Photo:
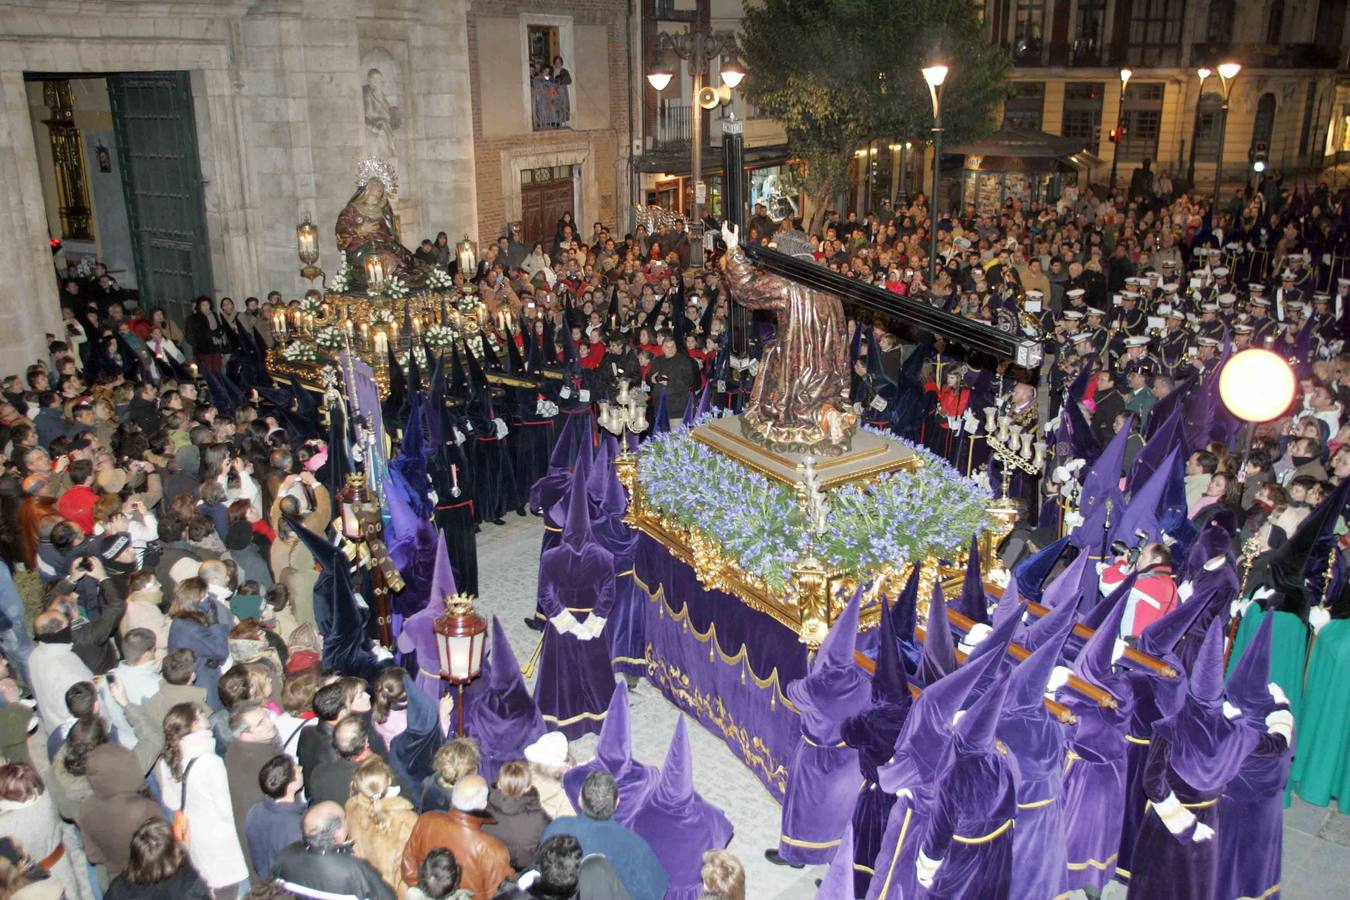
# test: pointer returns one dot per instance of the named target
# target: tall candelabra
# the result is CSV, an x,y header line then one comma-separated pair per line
x,y
1014,446
626,415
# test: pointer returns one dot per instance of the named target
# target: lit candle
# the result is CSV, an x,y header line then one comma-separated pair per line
x,y
350,328
417,325
365,335
381,343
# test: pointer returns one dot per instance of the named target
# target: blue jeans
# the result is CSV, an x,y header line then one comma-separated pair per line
x,y
14,640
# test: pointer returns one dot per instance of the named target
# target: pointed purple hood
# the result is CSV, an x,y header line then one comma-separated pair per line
x,y
975,731
505,719
1093,664
672,803
443,576
1249,680
972,602
614,754
1026,685
939,650
577,530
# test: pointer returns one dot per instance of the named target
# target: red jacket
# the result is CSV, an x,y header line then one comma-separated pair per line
x,y
1154,596
77,505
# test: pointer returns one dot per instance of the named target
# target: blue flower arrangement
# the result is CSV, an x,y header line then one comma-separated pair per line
x,y
891,519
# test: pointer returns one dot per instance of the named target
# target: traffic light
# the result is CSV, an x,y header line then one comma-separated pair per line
x,y
1259,154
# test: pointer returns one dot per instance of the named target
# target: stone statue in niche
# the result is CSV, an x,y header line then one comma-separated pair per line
x,y
382,115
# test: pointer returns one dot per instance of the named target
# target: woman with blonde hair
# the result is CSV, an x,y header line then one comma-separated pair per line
x,y
378,820
192,779
520,820
723,876
456,759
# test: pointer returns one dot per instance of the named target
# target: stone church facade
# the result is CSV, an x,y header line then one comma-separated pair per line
x,y
282,96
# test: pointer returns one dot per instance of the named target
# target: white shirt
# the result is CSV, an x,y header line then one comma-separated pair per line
x,y
53,668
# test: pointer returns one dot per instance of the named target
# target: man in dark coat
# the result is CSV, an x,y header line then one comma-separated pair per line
x,y
323,861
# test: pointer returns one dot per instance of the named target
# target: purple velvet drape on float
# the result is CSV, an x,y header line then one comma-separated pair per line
x,y
692,634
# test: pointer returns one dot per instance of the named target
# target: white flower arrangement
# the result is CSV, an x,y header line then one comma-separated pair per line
x,y
467,303
395,288
439,280
330,337
415,353
342,281
440,337
382,317
311,306
300,352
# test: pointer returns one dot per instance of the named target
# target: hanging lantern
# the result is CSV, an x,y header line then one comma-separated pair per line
x,y
307,240
466,254
461,638
354,495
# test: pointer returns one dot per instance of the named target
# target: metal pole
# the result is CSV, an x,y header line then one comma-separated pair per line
x,y
1115,154
697,62
1218,163
937,189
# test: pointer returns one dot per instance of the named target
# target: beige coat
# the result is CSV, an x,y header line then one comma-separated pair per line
x,y
380,842
293,566
143,612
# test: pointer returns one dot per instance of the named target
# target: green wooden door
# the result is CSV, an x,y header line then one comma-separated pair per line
x,y
162,179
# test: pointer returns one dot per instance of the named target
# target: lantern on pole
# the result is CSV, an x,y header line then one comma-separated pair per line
x,y
461,639
375,273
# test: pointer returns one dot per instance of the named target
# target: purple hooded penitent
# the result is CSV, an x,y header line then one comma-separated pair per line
x,y
678,823
1251,811
417,635
1036,740
873,733
626,631
1192,757
1094,776
823,778
614,754
576,593
923,752
971,828
504,720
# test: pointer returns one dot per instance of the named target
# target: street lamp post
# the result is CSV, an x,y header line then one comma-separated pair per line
x,y
1120,112
1204,72
935,75
1228,72
699,46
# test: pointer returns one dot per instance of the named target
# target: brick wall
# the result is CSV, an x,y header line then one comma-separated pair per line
x,y
607,147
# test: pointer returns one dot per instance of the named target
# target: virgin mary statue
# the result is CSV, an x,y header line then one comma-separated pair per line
x,y
365,227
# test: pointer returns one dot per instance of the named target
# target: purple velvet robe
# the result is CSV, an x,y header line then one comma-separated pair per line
x,y
626,629
1094,788
679,824
504,720
971,829
575,681
1251,822
1154,698
614,755
1173,866
824,777
1037,743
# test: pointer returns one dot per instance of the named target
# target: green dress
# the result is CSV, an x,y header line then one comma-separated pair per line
x,y
1288,651
1322,760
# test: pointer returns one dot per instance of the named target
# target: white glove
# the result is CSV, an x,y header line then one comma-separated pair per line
x,y
1230,711
1202,833
1238,608
1175,817
381,652
1118,650
1060,474
1185,589
546,409
925,869
1075,465
594,624
1318,617
1059,676
1072,520
1281,722
564,622
459,436
978,632
1263,593
972,423
501,428
730,235
1277,694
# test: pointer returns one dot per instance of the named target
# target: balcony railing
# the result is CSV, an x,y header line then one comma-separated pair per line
x,y
552,105
1267,56
673,128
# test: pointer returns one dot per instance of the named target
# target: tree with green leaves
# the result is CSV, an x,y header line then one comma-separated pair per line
x,y
841,73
